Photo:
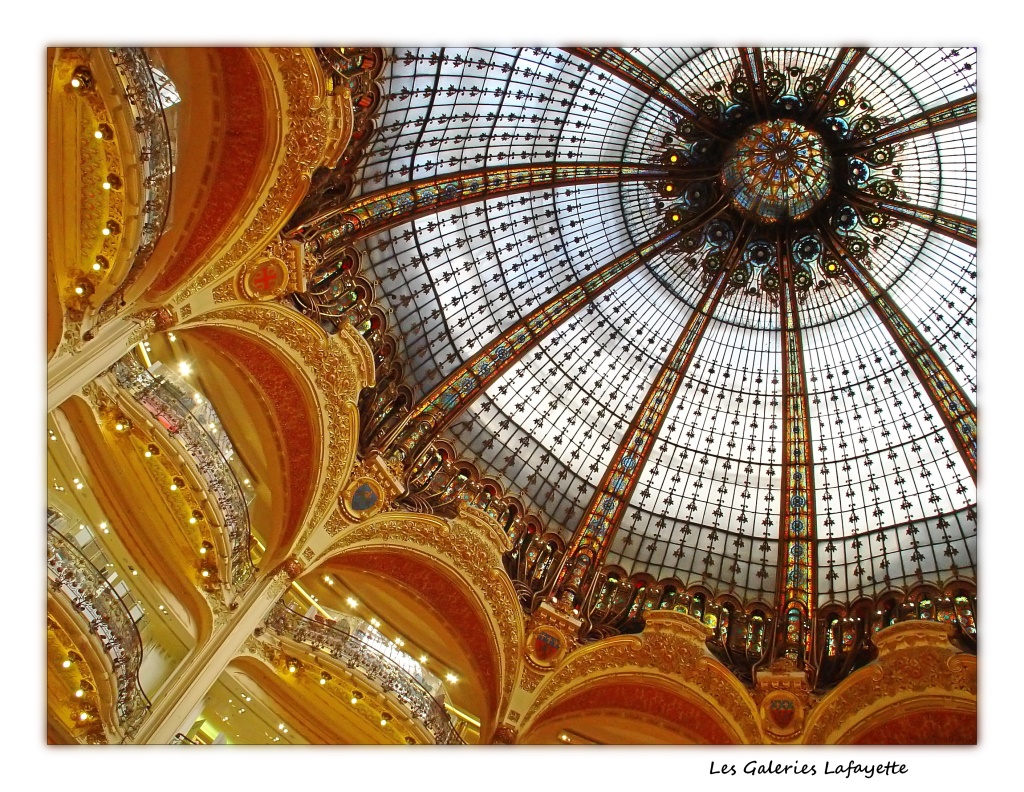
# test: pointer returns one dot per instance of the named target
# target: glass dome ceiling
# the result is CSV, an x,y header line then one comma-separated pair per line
x,y
866,263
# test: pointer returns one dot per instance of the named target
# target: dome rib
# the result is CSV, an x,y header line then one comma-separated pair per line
x,y
879,276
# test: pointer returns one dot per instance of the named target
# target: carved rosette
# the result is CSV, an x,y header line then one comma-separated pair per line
x,y
529,679
225,292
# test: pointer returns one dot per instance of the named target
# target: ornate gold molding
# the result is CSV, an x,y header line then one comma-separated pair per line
x,y
672,645
309,121
915,661
93,732
225,292
338,367
472,556
486,526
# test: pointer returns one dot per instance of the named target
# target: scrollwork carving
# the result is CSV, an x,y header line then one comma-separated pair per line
x,y
225,292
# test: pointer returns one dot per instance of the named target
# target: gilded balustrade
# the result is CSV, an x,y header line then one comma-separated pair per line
x,y
355,653
161,401
70,573
156,152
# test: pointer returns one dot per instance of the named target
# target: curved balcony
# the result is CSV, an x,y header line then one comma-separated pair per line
x,y
163,402
156,156
89,592
355,653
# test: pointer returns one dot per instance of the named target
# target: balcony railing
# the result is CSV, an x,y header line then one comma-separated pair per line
x,y
181,739
356,653
163,403
71,573
157,156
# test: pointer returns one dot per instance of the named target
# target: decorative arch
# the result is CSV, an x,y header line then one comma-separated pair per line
x,y
669,664
458,559
298,364
251,140
632,708
918,681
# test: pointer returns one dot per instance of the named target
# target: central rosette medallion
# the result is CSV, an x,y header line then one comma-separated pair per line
x,y
777,170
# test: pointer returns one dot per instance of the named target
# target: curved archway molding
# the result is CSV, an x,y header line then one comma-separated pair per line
x,y
469,548
312,126
333,368
669,653
917,669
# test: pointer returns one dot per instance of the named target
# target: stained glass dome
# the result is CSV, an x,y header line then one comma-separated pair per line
x,y
764,357
777,170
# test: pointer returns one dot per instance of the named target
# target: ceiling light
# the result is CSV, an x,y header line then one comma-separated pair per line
x,y
83,716
66,664
184,368
356,696
79,693
324,678
352,603
451,678
423,659
384,718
